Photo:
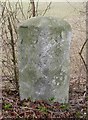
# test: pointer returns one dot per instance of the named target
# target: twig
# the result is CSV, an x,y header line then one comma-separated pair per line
x,y
37,8
21,9
33,7
13,53
48,6
80,53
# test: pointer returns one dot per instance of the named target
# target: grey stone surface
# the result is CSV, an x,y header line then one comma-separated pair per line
x,y
44,46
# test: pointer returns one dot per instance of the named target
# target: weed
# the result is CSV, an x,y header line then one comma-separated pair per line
x,y
64,106
7,106
51,99
43,109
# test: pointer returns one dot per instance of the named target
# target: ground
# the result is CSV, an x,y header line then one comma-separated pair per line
x,y
14,108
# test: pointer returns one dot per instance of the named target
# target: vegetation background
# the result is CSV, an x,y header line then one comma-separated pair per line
x,y
11,16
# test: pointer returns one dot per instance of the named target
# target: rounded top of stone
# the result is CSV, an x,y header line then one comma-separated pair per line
x,y
50,22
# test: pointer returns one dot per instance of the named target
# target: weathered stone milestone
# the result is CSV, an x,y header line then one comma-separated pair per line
x,y
44,46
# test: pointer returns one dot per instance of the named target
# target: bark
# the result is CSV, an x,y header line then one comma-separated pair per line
x,y
33,7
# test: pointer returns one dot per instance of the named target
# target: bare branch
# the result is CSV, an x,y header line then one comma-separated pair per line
x,y
48,6
80,53
33,7
13,52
